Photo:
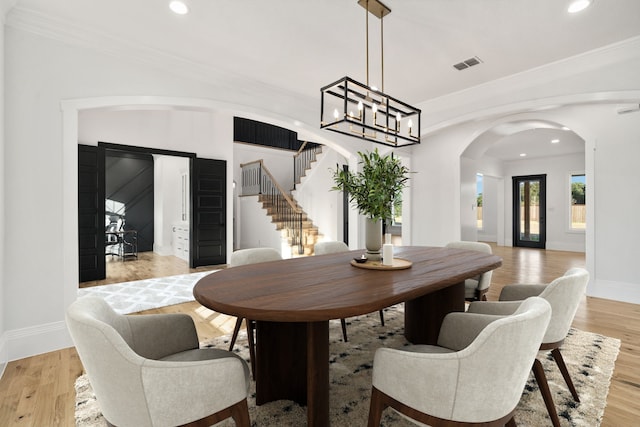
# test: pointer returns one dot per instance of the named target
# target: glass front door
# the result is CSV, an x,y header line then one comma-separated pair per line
x,y
529,228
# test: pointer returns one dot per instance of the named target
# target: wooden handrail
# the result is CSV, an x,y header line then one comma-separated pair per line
x,y
250,163
293,206
301,149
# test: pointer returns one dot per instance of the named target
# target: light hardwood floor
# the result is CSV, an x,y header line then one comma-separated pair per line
x,y
38,391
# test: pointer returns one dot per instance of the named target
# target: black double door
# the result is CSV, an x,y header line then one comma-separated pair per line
x,y
208,209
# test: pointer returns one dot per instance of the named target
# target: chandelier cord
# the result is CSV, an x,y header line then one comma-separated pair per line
x,y
381,46
382,52
366,13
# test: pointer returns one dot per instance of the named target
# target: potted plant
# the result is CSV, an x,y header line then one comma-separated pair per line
x,y
374,190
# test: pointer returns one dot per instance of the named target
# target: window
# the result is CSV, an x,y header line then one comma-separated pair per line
x,y
578,202
479,189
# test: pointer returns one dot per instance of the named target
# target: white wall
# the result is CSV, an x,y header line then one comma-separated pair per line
x,y
610,153
3,338
468,200
257,229
490,203
558,169
278,162
314,194
253,228
40,74
613,202
168,200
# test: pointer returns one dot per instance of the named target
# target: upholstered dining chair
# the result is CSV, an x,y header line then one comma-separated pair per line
x,y
148,370
245,257
331,247
564,294
458,382
475,289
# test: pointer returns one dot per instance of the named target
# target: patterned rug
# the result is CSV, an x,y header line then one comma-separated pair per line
x,y
131,297
590,359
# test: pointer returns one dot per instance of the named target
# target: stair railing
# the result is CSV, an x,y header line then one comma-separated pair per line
x,y
302,161
257,180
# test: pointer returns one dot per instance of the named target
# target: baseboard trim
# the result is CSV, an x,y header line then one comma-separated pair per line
x,y
4,356
617,291
36,340
564,246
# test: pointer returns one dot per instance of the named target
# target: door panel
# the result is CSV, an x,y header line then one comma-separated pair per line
x,y
209,210
529,211
91,213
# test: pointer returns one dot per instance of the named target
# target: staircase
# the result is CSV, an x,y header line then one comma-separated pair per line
x,y
294,224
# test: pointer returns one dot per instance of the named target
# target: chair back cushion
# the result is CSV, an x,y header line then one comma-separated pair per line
x,y
253,256
564,294
484,280
331,247
480,383
495,367
100,336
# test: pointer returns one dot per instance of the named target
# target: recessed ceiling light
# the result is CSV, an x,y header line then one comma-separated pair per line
x,y
555,141
578,5
179,7
523,154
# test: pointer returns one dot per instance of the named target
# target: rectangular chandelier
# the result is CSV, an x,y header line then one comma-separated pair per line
x,y
357,110
362,111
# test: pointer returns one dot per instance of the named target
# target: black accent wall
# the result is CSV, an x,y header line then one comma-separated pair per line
x,y
129,180
253,132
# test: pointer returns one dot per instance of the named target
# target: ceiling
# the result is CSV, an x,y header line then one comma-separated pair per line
x,y
299,46
536,143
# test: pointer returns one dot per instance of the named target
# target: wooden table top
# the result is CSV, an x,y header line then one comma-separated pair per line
x,y
319,288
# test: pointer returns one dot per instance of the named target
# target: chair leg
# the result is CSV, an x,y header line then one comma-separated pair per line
x,y
375,408
381,317
511,422
240,414
251,327
557,356
236,329
541,378
344,329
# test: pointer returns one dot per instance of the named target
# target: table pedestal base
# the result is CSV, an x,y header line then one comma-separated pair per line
x,y
423,316
292,363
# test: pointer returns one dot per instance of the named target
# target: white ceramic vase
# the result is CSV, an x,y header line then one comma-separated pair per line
x,y
373,239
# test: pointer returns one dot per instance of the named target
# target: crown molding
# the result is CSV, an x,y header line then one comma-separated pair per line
x,y
464,105
72,33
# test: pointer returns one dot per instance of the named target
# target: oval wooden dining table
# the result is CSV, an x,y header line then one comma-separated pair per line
x,y
293,300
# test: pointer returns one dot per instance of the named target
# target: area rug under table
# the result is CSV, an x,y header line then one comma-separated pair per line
x,y
590,359
140,295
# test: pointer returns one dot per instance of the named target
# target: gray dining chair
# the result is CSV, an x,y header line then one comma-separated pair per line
x,y
331,247
476,288
564,294
458,382
245,257
148,370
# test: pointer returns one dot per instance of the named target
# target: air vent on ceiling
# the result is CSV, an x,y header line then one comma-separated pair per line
x,y
467,63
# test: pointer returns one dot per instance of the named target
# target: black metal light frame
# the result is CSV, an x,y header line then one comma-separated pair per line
x,y
391,122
